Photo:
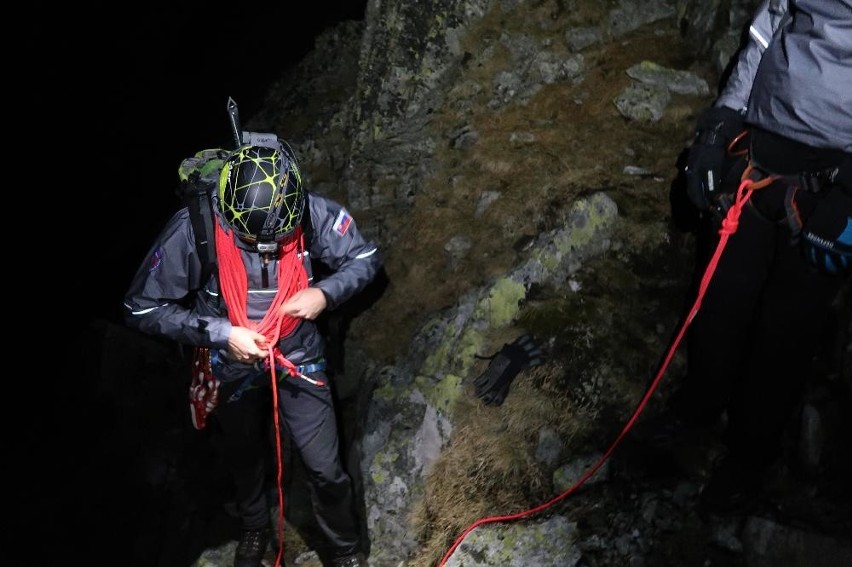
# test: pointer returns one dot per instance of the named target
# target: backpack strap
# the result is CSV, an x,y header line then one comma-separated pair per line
x,y
201,215
199,178
307,225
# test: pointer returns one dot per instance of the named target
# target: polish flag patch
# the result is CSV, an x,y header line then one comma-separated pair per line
x,y
341,224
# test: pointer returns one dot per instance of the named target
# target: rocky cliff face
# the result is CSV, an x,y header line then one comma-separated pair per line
x,y
513,159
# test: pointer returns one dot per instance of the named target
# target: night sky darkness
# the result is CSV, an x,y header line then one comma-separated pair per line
x,y
142,91
108,100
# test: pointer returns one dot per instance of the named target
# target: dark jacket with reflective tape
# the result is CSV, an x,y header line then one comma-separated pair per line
x,y
167,297
794,76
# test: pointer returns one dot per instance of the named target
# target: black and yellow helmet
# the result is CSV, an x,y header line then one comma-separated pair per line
x,y
260,193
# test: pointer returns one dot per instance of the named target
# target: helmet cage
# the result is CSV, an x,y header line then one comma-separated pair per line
x,y
260,193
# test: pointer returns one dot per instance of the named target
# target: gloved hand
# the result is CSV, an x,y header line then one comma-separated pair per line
x,y
708,159
827,233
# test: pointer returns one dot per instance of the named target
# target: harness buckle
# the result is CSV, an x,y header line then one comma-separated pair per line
x,y
815,181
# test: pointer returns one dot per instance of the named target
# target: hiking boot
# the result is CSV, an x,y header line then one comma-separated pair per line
x,y
733,488
354,560
251,548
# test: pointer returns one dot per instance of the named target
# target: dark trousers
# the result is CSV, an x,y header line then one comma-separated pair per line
x,y
751,345
306,414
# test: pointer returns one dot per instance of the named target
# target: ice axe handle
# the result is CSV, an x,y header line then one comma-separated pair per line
x,y
234,116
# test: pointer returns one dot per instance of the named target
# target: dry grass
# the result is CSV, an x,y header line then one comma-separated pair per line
x,y
578,147
581,144
490,469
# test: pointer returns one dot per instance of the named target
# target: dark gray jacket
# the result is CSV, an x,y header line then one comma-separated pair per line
x,y
794,76
167,298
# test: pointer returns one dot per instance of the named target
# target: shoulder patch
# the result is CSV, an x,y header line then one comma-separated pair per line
x,y
341,224
156,260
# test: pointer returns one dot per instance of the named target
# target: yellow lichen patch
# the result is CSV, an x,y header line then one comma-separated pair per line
x,y
501,304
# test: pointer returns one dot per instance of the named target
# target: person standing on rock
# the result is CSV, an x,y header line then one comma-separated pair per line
x,y
253,324
751,344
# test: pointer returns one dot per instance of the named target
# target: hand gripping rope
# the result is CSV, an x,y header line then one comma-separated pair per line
x,y
729,227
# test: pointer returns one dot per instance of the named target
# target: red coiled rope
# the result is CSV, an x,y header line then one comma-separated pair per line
x,y
729,226
234,285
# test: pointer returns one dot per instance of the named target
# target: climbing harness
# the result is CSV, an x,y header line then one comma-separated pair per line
x,y
751,180
204,387
301,371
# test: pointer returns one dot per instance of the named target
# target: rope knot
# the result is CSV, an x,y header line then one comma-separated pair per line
x,y
729,225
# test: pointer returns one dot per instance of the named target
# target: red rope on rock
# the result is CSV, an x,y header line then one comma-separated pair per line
x,y
729,226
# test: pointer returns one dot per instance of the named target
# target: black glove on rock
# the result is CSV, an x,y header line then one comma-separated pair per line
x,y
708,159
492,386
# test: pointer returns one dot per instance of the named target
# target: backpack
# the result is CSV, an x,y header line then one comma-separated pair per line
x,y
199,180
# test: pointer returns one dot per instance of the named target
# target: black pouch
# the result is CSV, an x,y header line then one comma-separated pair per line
x,y
826,231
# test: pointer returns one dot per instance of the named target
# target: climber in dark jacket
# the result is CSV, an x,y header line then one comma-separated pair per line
x,y
751,345
255,318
